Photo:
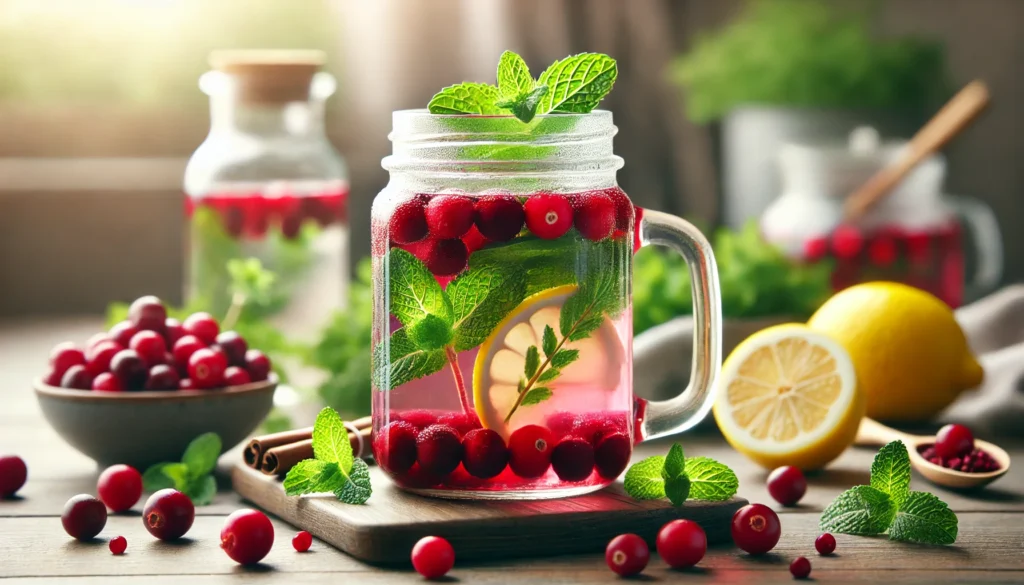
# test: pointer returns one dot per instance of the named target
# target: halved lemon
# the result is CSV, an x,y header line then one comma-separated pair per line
x,y
788,396
587,384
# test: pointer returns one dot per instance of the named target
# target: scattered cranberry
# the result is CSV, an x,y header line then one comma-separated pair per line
x,y
118,545
168,514
203,326
130,369
162,377
65,355
395,446
185,347
573,459
954,441
148,313
499,217
206,368
627,554
99,355
438,449
433,557
77,377
123,332
13,473
530,450
150,346
485,454
548,216
234,347
236,376
825,544
408,223
682,543
594,215
756,529
449,216
84,517
800,567
444,257
119,487
257,364
173,331
623,208
977,461
787,485
846,241
247,536
611,456
107,382
302,541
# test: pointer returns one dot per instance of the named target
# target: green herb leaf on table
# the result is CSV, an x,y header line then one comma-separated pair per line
x,y
201,454
334,469
330,439
414,291
466,98
890,472
578,83
677,490
925,519
861,510
192,476
679,478
202,490
711,480
164,475
357,489
675,462
303,477
644,480
677,485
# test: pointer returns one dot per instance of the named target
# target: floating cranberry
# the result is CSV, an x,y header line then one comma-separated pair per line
x,y
460,421
561,423
548,216
611,455
474,240
257,364
756,529
395,446
107,382
185,347
438,449
236,376
234,347
98,356
787,485
247,536
162,377
77,377
847,241
682,543
168,514
594,215
485,454
150,346
420,419
408,223
530,450
627,554
203,326
433,557
119,487
623,208
206,368
449,216
573,459
825,544
499,217
593,425
123,332
954,441
65,355
118,545
800,568
130,369
882,251
919,246
302,541
84,517
13,473
444,257
815,249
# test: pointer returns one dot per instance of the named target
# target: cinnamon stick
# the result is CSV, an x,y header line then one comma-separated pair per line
x,y
279,460
258,447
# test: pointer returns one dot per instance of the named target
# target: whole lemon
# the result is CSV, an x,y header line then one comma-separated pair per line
x,y
910,354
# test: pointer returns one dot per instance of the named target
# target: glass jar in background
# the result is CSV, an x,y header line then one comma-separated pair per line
x,y
267,184
914,235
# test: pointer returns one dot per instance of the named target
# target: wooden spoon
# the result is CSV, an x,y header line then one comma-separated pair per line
x,y
874,433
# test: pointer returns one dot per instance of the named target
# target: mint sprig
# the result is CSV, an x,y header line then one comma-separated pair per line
x,y
192,476
679,479
888,505
333,469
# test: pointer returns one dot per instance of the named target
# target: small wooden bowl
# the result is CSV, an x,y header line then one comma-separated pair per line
x,y
143,428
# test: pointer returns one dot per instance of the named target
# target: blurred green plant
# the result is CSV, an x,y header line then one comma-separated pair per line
x,y
757,280
807,53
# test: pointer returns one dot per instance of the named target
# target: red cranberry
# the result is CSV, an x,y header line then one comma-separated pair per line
x,y
257,364
623,208
234,347
611,456
461,422
203,326
123,332
474,240
846,241
150,346
682,543
787,485
119,487
98,356
247,536
13,473
291,225
302,541
449,216
168,514
94,340
77,377
173,331
815,249
530,450
627,554
548,216
206,368
130,369
882,251
433,557
148,313
395,446
499,217
420,419
408,223
118,545
65,355
800,568
573,459
825,544
186,384
756,529
561,423
236,376
438,449
954,441
185,347
84,517
594,215
444,257
51,378
107,382
594,425
485,454
162,377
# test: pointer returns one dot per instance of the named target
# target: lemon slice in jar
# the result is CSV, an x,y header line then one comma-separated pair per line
x,y
788,396
587,384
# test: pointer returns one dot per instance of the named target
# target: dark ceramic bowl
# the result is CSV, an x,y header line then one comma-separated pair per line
x,y
143,428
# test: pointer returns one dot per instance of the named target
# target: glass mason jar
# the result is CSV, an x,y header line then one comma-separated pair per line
x,y
502,338
267,184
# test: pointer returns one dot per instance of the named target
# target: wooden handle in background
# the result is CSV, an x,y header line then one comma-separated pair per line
x,y
874,433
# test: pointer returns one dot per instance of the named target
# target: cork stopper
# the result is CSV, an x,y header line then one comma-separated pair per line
x,y
269,76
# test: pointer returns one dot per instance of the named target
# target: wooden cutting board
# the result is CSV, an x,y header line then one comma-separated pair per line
x,y
384,530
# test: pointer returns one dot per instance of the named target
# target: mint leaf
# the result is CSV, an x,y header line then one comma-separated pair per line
x,y
675,463
862,510
924,518
643,479
430,333
357,489
414,291
890,472
524,106
481,298
578,83
550,342
466,98
165,475
330,440
549,375
202,490
514,77
302,479
201,455
710,480
536,396
547,263
677,489
404,361
564,358
532,361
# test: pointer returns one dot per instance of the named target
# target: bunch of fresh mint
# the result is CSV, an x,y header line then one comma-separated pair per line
x,y
192,475
680,479
575,84
334,469
889,505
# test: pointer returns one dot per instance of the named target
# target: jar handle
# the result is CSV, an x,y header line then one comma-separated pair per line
x,y
692,405
987,242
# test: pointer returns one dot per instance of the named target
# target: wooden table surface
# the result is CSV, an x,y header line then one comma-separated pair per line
x,y
35,549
